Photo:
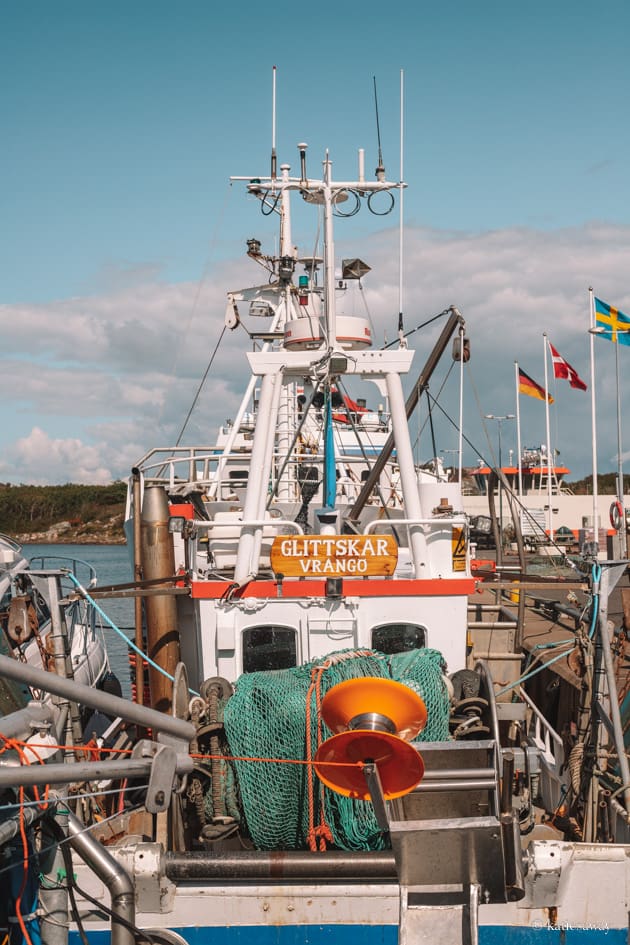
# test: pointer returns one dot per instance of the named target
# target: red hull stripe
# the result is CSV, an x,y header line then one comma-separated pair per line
x,y
434,587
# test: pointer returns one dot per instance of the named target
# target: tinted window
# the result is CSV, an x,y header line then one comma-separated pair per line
x,y
398,637
269,648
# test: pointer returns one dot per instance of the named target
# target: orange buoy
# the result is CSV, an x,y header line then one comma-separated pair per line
x,y
374,720
371,695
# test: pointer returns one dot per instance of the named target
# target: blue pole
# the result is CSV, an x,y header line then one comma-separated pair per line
x,y
330,471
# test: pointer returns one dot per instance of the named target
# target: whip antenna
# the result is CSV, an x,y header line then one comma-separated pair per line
x,y
380,170
401,327
274,159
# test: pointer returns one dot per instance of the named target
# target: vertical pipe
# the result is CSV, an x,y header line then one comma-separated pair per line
x,y
112,875
137,576
62,663
257,485
261,511
53,895
158,561
613,697
409,483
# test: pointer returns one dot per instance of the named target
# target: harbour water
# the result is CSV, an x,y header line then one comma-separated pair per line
x,y
112,565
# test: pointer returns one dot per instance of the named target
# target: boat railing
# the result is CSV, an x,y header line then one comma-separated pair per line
x,y
430,524
166,464
544,734
61,565
11,542
233,521
211,470
80,616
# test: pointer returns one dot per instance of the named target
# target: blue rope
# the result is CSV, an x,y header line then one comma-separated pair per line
x,y
120,633
596,574
534,671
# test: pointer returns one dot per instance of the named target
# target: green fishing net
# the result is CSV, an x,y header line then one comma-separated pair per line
x,y
266,718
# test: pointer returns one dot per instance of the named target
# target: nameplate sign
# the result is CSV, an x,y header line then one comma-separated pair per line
x,y
334,555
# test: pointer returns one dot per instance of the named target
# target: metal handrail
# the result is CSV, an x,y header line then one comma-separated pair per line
x,y
210,524
393,522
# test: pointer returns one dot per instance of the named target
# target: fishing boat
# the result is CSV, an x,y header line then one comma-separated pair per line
x,y
334,735
44,621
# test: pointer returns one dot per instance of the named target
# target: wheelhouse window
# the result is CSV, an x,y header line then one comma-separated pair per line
x,y
399,637
269,647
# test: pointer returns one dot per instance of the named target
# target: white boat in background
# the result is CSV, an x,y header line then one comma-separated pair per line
x,y
44,622
538,500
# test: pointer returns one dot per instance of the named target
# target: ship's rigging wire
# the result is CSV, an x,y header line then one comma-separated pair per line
x,y
296,436
185,332
366,458
366,307
435,402
199,389
422,325
124,637
524,510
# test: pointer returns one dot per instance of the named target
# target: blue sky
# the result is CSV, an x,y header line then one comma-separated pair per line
x,y
123,121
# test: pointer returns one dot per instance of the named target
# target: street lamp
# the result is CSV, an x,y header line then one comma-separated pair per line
x,y
499,421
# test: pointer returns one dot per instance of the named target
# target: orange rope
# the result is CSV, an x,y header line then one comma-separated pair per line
x,y
88,748
322,831
18,898
16,745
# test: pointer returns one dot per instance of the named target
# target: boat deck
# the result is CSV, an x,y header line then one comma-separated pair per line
x,y
549,612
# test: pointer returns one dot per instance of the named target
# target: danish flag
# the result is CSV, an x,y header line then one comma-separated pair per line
x,y
562,368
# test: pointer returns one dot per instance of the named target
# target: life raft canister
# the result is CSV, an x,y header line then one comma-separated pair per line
x,y
616,515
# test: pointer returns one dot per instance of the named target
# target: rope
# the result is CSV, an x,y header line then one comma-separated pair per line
x,y
201,383
123,636
534,672
322,832
17,746
16,743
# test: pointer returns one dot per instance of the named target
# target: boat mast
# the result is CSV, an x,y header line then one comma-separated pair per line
x,y
330,310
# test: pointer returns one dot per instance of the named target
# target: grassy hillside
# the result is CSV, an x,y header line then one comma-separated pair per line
x,y
606,485
30,509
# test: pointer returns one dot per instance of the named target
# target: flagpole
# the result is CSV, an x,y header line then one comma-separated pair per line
x,y
593,420
518,435
622,530
550,515
460,440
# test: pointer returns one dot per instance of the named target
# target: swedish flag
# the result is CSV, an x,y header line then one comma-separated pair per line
x,y
616,325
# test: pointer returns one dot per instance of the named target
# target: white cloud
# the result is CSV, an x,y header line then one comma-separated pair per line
x,y
89,384
43,460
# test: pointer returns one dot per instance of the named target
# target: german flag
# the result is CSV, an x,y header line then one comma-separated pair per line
x,y
528,386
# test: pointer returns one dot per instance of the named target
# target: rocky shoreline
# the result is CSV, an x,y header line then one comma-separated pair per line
x,y
107,532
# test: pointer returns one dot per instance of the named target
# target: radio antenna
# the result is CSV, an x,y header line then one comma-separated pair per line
x,y
274,160
380,170
401,328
